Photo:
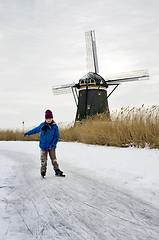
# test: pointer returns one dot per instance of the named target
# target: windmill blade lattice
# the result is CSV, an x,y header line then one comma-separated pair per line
x,y
63,89
127,77
91,50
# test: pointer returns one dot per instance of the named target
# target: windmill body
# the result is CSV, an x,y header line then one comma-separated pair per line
x,y
90,93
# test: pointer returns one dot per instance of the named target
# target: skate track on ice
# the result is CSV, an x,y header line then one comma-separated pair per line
x,y
77,207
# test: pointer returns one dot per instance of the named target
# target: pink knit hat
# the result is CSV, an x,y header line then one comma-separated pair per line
x,y
48,114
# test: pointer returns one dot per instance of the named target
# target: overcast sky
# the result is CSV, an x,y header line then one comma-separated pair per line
x,y
42,44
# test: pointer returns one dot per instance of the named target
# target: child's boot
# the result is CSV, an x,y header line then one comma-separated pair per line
x,y
58,172
43,174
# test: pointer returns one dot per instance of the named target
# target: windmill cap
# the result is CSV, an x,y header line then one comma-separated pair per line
x,y
48,114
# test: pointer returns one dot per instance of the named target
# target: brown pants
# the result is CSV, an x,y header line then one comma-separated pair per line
x,y
43,158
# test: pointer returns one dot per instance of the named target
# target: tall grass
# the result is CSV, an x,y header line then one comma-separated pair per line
x,y
16,135
137,127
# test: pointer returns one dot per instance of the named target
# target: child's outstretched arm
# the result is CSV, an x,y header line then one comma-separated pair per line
x,y
33,131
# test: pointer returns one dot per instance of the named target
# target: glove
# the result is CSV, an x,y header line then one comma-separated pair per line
x,y
25,134
53,146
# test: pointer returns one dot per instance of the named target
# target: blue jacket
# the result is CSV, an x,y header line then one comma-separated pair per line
x,y
48,138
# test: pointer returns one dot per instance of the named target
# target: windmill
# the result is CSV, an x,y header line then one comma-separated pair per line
x,y
90,93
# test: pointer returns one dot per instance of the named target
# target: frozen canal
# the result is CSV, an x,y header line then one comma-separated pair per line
x,y
88,204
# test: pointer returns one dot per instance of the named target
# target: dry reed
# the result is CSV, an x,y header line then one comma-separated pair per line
x,y
137,127
16,135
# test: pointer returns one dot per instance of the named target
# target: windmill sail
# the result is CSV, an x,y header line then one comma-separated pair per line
x,y
63,89
127,77
91,60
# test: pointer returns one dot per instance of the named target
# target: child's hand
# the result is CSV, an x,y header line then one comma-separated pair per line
x,y
25,134
52,146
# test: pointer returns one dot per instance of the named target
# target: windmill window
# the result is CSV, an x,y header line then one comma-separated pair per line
x,y
80,94
88,107
99,94
82,82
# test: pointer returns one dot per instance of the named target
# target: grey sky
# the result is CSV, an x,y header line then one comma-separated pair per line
x,y
42,44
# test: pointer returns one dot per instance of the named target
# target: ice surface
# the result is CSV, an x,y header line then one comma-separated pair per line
x,y
108,193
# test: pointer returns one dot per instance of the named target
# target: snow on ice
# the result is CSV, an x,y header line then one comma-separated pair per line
x,y
108,193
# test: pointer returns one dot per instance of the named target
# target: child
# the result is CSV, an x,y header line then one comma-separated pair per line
x,y
48,140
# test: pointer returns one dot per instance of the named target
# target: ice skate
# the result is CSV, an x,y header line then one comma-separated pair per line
x,y
59,173
43,174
